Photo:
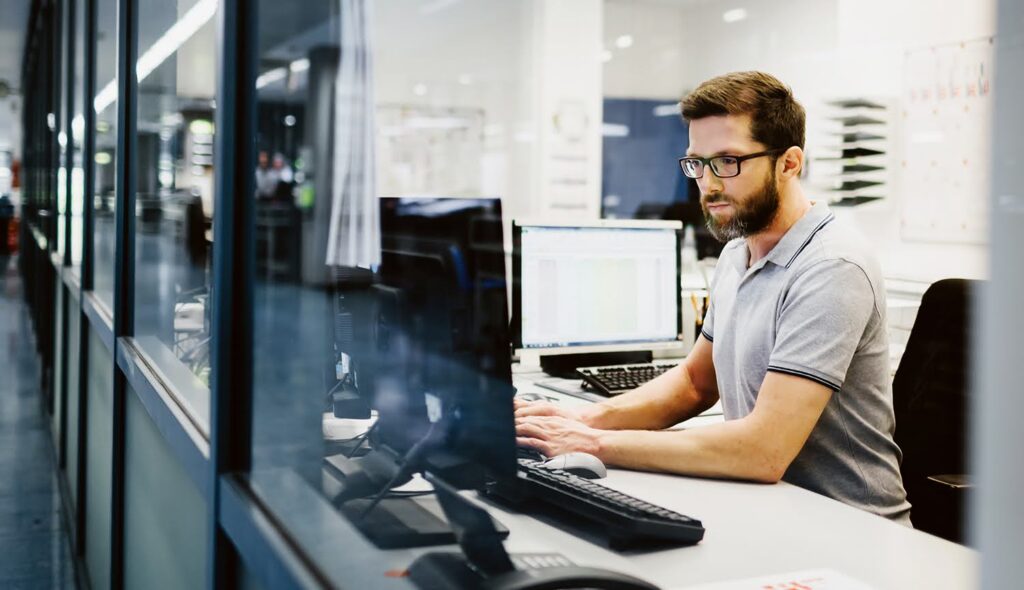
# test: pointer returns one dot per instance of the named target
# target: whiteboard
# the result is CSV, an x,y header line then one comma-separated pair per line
x,y
946,142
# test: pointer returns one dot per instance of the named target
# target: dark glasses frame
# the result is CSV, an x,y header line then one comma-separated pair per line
x,y
716,161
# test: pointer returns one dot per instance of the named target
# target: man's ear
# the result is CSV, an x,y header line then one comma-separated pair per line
x,y
791,163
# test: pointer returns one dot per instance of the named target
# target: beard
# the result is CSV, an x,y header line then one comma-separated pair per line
x,y
749,217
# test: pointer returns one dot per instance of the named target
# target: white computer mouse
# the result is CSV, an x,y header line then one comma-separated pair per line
x,y
581,464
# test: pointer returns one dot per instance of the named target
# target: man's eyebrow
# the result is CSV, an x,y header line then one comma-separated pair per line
x,y
690,154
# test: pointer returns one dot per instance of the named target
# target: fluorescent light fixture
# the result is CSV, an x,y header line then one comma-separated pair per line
x,y
465,79
624,41
614,130
667,110
271,76
176,36
606,56
419,89
106,97
299,65
735,15
78,127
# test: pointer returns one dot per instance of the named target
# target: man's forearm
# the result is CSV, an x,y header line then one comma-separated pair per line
x,y
731,450
661,402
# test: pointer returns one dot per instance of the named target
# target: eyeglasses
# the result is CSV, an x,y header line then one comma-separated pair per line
x,y
722,166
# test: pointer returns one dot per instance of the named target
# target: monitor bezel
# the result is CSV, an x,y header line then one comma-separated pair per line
x,y
664,346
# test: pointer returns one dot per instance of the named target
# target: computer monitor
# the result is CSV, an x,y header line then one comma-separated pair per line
x,y
595,287
442,365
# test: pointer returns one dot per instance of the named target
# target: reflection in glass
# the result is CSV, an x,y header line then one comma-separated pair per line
x,y
366,308
77,137
174,192
103,199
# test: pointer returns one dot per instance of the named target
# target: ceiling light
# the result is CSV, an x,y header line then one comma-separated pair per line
x,y
624,41
271,76
465,79
176,36
299,65
667,110
735,15
606,56
419,89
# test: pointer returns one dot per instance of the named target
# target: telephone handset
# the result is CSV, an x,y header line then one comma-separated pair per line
x,y
484,564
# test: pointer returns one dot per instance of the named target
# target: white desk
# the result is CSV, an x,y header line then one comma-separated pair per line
x,y
755,530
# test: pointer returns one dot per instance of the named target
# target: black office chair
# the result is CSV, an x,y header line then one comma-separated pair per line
x,y
930,398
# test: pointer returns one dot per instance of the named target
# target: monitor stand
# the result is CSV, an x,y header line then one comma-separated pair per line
x,y
564,365
394,523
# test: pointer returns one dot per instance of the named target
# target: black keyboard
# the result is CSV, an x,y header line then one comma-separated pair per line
x,y
628,521
615,379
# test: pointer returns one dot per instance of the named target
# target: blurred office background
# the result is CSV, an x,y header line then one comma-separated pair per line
x,y
182,233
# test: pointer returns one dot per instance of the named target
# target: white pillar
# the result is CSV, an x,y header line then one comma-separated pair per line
x,y
568,99
997,519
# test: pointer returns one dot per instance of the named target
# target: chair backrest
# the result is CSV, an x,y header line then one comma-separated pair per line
x,y
931,388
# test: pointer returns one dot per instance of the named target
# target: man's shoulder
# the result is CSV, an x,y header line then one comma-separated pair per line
x,y
838,241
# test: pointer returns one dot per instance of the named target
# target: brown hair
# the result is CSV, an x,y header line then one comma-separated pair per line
x,y
776,118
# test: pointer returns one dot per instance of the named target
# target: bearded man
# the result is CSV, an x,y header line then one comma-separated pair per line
x,y
794,342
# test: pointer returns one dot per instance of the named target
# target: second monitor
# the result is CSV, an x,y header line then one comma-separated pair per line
x,y
607,287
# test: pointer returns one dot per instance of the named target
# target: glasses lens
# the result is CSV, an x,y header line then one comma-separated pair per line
x,y
725,166
693,168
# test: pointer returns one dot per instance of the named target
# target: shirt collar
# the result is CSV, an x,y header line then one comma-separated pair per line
x,y
800,234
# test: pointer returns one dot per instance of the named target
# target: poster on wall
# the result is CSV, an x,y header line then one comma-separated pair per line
x,y
947,119
427,150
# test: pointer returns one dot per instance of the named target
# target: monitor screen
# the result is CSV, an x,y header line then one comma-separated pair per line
x,y
441,363
612,284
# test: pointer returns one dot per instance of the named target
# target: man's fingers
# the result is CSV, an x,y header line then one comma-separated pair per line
x,y
530,428
535,409
533,443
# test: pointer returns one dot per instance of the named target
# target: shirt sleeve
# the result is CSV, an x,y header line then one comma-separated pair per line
x,y
707,329
821,322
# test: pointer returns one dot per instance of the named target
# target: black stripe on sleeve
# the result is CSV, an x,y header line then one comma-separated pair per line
x,y
705,334
805,375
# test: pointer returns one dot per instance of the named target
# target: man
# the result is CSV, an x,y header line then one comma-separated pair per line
x,y
794,343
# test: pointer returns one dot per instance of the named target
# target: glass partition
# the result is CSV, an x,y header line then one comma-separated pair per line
x,y
174,194
358,115
103,200
77,139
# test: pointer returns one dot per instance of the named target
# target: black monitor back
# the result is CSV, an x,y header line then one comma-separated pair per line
x,y
442,342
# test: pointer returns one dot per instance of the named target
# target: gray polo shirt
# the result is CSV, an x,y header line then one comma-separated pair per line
x,y
815,307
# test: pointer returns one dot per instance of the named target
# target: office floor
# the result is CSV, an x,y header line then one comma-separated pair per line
x,y
34,544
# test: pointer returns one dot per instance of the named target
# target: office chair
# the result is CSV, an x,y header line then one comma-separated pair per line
x,y
930,397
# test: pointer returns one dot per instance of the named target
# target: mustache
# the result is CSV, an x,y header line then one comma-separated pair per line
x,y
715,198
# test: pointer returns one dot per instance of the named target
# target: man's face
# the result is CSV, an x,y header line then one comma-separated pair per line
x,y
742,205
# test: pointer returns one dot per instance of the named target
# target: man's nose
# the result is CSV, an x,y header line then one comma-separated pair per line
x,y
709,182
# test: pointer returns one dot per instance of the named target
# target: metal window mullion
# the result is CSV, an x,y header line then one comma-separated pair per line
x,y
53,105
233,262
124,267
88,179
69,106
67,18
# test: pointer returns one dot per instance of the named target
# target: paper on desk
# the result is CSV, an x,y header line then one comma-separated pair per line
x,y
821,579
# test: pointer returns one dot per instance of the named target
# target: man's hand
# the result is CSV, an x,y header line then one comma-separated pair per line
x,y
556,434
538,408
